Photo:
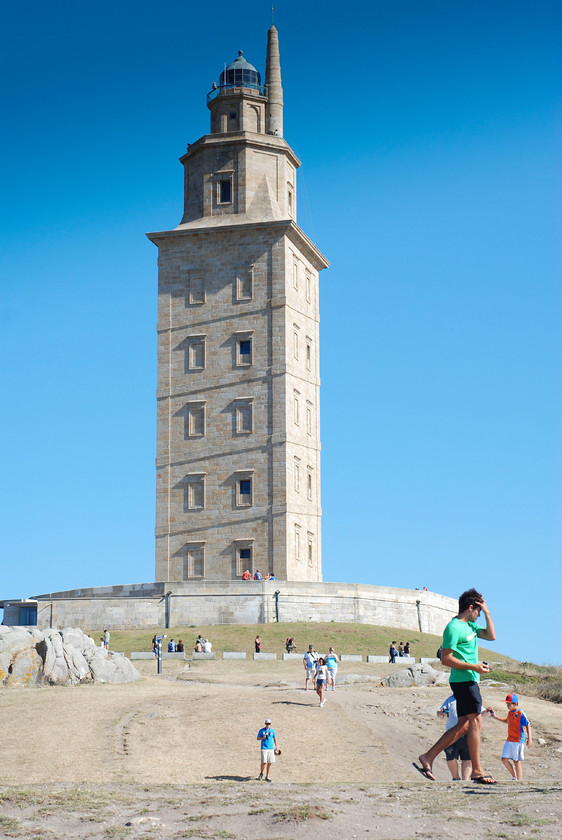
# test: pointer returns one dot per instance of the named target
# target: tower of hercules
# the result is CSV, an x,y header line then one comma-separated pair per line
x,y
238,449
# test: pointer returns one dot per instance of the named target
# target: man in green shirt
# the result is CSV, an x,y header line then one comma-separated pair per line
x,y
460,654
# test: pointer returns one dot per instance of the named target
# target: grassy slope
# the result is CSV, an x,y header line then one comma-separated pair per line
x,y
346,638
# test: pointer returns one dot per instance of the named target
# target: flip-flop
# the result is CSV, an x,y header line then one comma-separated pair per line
x,y
485,780
425,772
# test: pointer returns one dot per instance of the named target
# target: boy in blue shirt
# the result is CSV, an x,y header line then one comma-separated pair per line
x,y
268,749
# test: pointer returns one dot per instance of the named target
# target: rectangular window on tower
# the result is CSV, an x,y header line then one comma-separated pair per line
x,y
196,294
310,549
195,420
244,558
308,418
194,561
308,353
308,287
195,352
245,284
296,417
309,484
297,476
194,491
297,542
244,417
244,350
244,490
225,191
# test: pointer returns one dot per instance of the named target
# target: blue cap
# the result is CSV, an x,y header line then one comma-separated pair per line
x,y
512,698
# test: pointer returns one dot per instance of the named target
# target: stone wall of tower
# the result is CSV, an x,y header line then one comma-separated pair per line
x,y
302,415
215,411
238,457
262,170
222,417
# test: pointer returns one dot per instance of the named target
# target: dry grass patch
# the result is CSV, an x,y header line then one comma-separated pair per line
x,y
10,827
301,813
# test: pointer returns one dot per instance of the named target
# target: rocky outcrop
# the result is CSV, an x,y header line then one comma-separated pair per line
x,y
58,657
416,675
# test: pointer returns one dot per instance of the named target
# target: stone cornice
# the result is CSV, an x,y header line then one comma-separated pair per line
x,y
217,224
243,138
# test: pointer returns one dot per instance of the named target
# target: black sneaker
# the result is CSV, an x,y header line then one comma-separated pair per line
x,y
267,780
260,777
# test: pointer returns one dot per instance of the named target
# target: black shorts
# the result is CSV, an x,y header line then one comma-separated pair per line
x,y
458,750
468,697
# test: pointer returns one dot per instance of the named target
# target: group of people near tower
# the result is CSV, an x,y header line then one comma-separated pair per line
x,y
322,670
464,708
247,575
398,651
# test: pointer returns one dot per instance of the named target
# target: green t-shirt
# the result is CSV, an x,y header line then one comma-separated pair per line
x,y
462,638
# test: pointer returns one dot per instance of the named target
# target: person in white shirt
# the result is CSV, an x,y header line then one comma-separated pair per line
x,y
309,661
459,749
321,679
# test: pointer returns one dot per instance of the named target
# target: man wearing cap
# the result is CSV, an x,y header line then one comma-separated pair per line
x,y
309,662
268,746
460,654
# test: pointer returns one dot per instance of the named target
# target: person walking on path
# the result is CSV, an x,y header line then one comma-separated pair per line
x,y
309,661
332,661
321,679
460,653
106,638
458,750
268,749
392,652
518,724
257,644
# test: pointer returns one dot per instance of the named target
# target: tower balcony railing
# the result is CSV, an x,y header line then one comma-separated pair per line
x,y
260,90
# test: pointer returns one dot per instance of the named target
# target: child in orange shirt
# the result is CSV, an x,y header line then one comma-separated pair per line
x,y
517,725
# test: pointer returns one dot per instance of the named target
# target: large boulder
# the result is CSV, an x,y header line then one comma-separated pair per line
x,y
415,675
25,668
10,644
58,657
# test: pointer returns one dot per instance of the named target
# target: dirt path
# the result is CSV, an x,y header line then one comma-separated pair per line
x,y
195,733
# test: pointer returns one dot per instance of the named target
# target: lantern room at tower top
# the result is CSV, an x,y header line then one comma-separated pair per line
x,y
239,74
240,103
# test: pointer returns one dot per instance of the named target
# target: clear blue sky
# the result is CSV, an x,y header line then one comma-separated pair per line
x,y
427,132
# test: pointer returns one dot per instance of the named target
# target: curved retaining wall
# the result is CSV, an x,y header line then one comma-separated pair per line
x,y
177,604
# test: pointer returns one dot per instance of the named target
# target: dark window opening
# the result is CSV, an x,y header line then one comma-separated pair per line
x,y
225,192
246,347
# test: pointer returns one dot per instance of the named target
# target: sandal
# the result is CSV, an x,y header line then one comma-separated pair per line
x,y
485,780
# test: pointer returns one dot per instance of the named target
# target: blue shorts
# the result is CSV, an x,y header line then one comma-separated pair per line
x,y
458,750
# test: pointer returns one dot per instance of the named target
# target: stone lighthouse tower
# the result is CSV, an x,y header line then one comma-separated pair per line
x,y
238,451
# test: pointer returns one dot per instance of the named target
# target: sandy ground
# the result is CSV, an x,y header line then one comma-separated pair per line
x,y
177,756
